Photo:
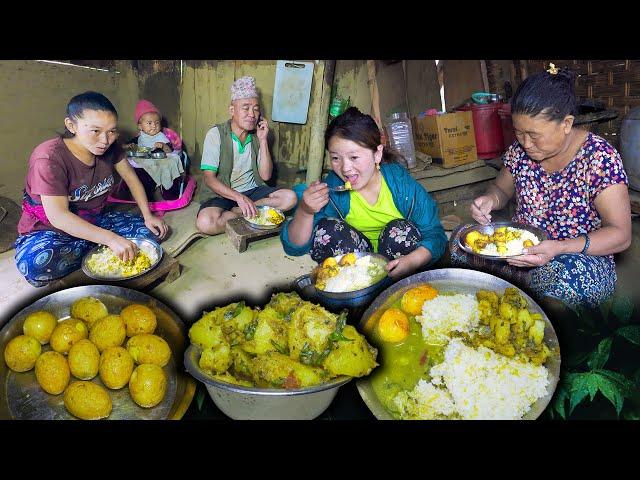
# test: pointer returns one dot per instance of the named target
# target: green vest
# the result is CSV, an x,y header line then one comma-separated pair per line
x,y
226,156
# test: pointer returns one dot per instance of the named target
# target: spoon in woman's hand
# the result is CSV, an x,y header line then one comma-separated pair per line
x,y
341,188
488,228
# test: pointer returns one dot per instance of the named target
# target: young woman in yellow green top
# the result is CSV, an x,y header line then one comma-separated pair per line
x,y
386,210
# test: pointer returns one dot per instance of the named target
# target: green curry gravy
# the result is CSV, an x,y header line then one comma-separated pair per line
x,y
403,364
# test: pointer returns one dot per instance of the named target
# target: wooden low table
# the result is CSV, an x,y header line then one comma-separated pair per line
x,y
168,268
240,233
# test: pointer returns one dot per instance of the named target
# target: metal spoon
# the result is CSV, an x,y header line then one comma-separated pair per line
x,y
487,229
339,188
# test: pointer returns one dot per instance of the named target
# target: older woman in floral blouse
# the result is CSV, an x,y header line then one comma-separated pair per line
x,y
569,183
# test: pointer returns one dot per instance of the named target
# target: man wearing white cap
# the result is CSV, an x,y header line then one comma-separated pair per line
x,y
237,163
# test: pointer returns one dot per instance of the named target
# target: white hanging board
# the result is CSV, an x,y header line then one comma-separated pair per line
x,y
292,91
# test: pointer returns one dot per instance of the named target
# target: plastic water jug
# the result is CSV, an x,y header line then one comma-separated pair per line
x,y
400,134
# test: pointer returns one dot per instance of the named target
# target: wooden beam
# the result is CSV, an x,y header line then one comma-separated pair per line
x,y
322,98
485,76
373,88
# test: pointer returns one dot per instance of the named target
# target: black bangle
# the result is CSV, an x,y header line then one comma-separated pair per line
x,y
587,242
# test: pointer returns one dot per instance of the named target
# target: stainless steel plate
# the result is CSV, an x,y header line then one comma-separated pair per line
x,y
459,281
262,212
142,243
540,234
22,397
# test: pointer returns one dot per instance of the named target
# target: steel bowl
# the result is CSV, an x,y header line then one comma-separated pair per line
x,y
22,397
145,244
137,154
460,281
253,403
356,298
539,233
262,212
158,154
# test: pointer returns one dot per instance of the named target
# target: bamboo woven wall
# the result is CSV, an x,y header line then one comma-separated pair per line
x,y
616,83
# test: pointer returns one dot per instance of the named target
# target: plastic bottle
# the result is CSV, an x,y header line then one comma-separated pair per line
x,y
400,133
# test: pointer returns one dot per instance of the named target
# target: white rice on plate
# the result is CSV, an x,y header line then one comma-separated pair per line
x,y
448,313
480,384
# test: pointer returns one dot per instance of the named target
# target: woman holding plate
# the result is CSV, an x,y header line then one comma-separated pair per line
x,y
68,181
567,182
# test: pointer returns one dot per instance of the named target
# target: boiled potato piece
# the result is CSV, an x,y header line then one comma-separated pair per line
x,y
115,368
228,378
271,332
285,303
109,331
147,348
276,370
40,325
138,319
309,330
355,359
216,359
52,372
84,360
87,400
89,309
21,353
242,363
67,333
205,333
148,385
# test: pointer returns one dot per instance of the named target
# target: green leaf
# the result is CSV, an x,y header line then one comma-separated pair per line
x,y
622,308
200,399
600,355
582,385
560,399
614,386
631,333
280,348
576,358
237,311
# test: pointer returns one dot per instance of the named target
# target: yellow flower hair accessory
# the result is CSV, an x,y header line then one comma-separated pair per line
x,y
553,70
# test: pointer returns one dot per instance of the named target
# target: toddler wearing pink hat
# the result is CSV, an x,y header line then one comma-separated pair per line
x,y
152,135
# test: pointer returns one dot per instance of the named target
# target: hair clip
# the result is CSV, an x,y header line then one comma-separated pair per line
x,y
553,70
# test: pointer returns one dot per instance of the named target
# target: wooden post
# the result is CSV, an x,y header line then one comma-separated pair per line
x,y
485,76
373,90
321,99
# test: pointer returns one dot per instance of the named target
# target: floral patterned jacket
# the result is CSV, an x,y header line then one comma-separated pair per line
x,y
411,200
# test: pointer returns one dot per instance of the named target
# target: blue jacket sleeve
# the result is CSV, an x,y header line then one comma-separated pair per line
x,y
289,247
425,216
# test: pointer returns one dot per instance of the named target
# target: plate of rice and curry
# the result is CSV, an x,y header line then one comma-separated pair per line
x,y
458,344
102,263
507,240
267,218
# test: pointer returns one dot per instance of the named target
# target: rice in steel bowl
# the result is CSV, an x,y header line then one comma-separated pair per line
x,y
348,275
105,263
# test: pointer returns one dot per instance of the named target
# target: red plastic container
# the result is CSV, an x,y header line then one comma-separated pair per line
x,y
488,129
486,123
504,112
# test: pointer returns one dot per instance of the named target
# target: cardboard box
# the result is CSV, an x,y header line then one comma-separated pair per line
x,y
449,138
